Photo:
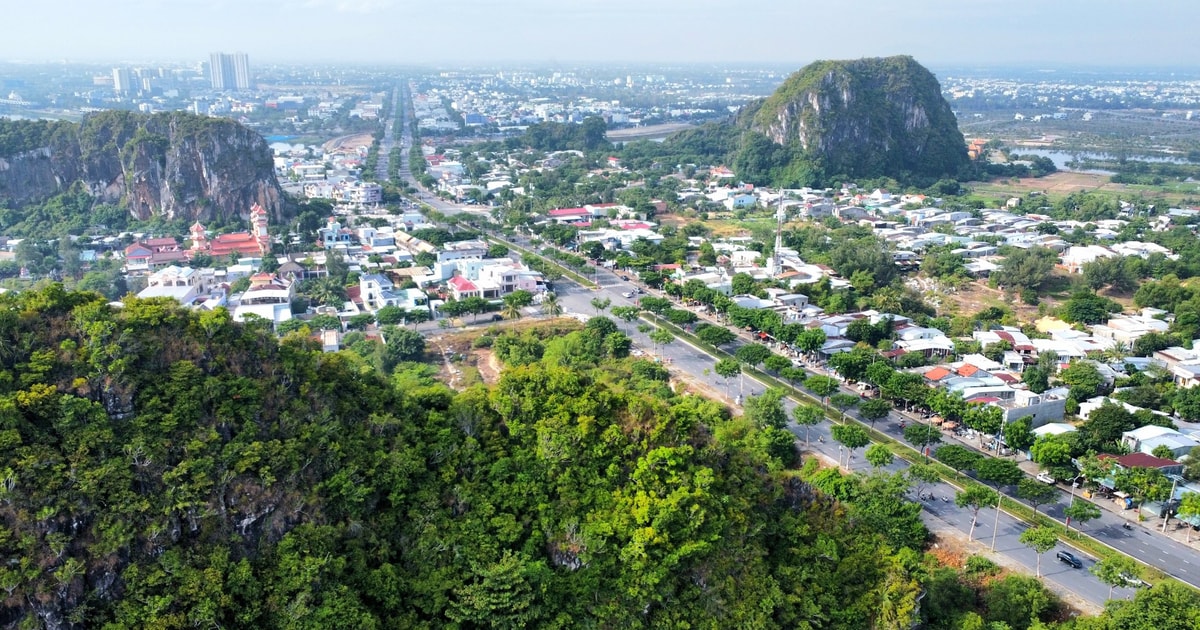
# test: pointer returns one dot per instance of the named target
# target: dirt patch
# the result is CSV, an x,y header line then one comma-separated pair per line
x,y
350,142
488,365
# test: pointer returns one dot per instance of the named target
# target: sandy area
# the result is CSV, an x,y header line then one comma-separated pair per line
x,y
347,143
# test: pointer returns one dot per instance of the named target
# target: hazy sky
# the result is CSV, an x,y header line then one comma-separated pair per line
x,y
941,32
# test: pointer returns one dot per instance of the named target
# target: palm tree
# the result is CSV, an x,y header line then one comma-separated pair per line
x,y
550,305
510,310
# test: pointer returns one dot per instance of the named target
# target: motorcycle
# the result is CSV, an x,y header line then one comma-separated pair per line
x,y
1126,526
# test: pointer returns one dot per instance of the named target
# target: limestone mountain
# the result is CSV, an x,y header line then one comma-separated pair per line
x,y
173,165
877,117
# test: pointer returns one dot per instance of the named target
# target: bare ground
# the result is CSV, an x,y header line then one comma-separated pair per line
x,y
342,143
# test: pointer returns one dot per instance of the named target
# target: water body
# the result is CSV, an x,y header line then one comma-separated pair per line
x,y
273,139
1060,158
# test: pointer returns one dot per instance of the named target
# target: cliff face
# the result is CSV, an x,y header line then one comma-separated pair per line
x,y
864,118
174,165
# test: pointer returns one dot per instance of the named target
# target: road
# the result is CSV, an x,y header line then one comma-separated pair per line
x,y
388,141
940,514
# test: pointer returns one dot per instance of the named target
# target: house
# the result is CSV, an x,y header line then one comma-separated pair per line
x,y
183,284
268,297
150,254
1143,460
1077,256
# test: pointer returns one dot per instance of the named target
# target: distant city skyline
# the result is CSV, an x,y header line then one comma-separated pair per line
x,y
1114,33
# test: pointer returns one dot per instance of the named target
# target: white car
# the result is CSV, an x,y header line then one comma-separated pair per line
x,y
1045,477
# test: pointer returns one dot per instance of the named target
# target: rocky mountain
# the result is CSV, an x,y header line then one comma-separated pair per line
x,y
174,165
863,118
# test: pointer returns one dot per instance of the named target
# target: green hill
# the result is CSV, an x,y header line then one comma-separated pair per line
x,y
864,118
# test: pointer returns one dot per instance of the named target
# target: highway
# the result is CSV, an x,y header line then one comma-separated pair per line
x,y
1077,586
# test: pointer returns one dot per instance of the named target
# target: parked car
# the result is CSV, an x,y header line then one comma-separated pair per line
x,y
1045,477
627,294
1069,558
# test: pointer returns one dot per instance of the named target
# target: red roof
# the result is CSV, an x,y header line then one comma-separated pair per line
x,y
1145,460
937,374
967,370
461,283
636,226
568,212
1006,377
1005,335
354,294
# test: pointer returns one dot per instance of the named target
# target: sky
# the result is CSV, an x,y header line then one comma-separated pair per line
x,y
1042,33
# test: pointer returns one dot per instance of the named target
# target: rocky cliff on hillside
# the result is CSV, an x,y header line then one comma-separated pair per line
x,y
174,165
864,118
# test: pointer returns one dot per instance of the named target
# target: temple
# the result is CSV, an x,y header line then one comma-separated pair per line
x,y
256,242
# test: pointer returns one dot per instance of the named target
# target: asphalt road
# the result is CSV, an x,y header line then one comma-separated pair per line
x,y
1174,558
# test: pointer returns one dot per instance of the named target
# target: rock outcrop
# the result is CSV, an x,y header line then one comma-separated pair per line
x,y
174,165
864,118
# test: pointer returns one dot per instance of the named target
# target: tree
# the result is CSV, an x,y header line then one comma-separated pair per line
x,y
777,364
1018,435
1189,508
921,436
766,410
1115,570
842,402
1016,602
661,337
958,457
510,310
1051,451
1081,512
360,321
401,344
1035,492
600,304
793,375
811,341
1086,307
1143,484
1025,268
627,314
878,455
921,475
808,417
1083,378
1110,271
874,409
974,498
727,369
998,472
551,306
1036,378
752,354
389,315
821,385
715,336
1041,540
851,436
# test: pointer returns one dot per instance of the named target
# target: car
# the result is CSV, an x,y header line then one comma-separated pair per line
x,y
1045,477
1133,581
1069,558
625,278
627,294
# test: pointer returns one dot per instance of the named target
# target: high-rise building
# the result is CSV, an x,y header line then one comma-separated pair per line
x,y
229,72
122,80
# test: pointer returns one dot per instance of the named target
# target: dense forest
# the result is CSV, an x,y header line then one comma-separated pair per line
x,y
166,469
